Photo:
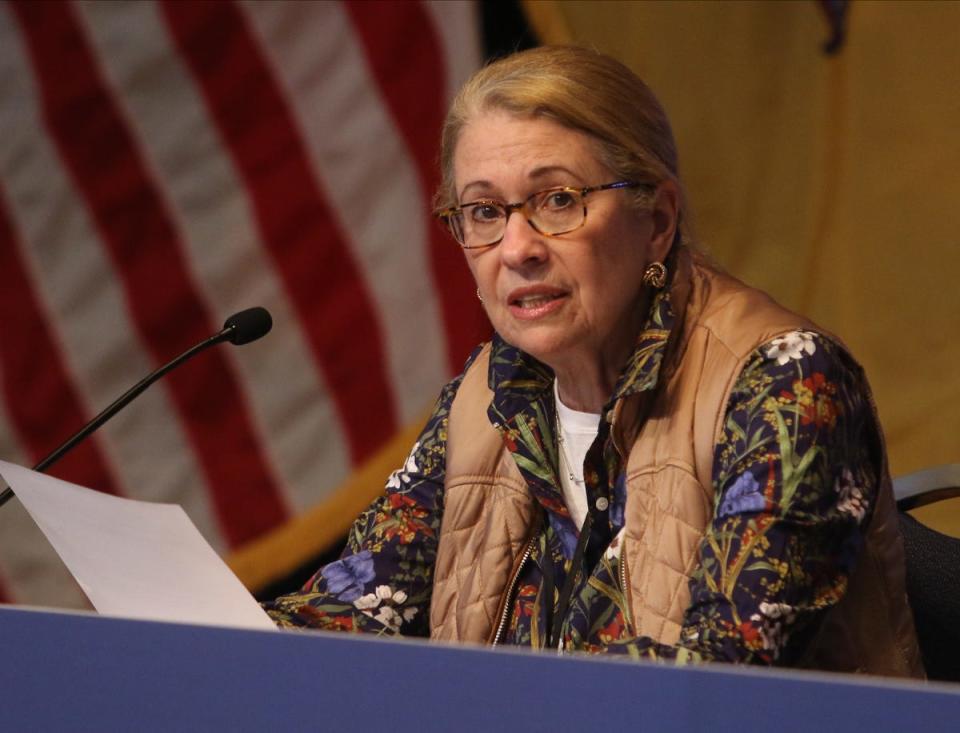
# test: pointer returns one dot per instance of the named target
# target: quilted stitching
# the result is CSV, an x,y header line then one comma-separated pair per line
x,y
665,528
486,520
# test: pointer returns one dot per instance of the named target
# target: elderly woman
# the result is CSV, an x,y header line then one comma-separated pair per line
x,y
649,458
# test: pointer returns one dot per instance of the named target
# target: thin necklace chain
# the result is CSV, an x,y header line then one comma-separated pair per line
x,y
564,461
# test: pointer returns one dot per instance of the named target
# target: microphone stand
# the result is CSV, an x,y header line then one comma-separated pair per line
x,y
236,329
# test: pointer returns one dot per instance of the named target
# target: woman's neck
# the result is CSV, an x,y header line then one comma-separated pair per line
x,y
587,387
583,402
586,380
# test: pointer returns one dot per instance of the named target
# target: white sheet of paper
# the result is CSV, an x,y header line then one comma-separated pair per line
x,y
135,559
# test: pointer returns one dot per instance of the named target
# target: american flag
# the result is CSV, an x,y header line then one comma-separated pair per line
x,y
164,164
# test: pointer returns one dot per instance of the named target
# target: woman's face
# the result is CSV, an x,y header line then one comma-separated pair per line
x,y
563,299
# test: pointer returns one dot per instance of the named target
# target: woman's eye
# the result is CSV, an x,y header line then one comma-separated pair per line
x,y
559,200
482,213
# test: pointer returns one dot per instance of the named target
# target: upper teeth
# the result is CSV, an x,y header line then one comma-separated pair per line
x,y
532,300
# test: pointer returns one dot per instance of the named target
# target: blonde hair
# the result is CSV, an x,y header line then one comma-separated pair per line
x,y
581,89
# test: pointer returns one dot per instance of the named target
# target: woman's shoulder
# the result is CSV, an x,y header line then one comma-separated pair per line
x,y
742,318
469,431
800,355
453,395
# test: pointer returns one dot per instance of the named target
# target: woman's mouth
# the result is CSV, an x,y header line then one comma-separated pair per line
x,y
533,301
529,303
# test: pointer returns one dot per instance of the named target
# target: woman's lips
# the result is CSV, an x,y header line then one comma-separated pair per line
x,y
528,304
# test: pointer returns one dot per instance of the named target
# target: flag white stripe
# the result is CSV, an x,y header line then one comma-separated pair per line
x,y
87,312
381,204
458,29
32,571
11,449
212,212
29,568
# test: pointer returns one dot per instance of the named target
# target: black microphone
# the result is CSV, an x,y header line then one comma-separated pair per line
x,y
240,328
247,326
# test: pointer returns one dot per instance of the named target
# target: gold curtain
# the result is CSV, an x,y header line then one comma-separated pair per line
x,y
832,182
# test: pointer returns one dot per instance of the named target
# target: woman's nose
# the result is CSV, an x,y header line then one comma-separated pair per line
x,y
522,245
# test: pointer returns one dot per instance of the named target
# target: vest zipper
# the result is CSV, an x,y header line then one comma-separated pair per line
x,y
511,588
628,606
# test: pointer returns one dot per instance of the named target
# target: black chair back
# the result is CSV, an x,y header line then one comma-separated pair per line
x,y
933,570
933,587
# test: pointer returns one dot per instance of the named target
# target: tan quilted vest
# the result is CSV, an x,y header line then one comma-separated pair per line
x,y
669,436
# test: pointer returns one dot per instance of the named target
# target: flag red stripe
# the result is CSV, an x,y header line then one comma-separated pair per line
x,y
299,231
414,91
41,402
132,220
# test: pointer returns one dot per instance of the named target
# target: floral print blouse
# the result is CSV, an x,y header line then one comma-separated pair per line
x,y
795,473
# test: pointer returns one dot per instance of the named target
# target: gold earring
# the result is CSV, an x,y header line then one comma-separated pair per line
x,y
655,275
479,297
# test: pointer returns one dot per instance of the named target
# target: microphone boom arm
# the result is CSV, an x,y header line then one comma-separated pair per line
x,y
240,328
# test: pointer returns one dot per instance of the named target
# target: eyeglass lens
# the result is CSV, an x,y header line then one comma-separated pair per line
x,y
552,212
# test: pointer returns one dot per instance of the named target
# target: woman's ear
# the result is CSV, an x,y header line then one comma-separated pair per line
x,y
665,215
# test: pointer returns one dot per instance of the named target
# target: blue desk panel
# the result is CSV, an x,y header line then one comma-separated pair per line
x,y
64,671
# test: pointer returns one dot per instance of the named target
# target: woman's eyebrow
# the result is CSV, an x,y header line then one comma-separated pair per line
x,y
483,185
548,170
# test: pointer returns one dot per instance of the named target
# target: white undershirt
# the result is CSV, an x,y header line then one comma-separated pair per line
x,y
579,430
